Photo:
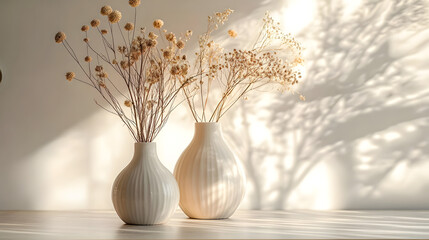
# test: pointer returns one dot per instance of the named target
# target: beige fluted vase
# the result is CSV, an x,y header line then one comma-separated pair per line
x,y
210,177
145,192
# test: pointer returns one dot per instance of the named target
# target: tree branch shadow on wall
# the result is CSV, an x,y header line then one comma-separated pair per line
x,y
362,106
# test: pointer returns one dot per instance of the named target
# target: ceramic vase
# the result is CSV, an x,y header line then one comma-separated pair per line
x,y
145,192
210,177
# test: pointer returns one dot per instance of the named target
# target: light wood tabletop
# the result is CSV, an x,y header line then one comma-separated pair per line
x,y
244,224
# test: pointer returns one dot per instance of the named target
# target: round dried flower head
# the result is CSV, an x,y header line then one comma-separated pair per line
x,y
88,59
103,31
302,98
103,75
158,23
189,33
127,103
95,23
151,43
129,26
180,44
114,61
60,37
153,36
134,3
86,40
106,10
70,76
170,37
99,68
84,28
115,16
167,53
102,84
232,33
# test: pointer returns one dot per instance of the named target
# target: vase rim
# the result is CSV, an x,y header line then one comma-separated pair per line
x,y
144,143
207,123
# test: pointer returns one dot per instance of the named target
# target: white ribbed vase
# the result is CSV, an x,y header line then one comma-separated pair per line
x,y
145,192
210,177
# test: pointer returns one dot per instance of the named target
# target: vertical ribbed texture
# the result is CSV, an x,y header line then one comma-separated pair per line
x,y
145,192
211,179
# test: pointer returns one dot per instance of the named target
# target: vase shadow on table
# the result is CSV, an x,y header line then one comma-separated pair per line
x,y
360,136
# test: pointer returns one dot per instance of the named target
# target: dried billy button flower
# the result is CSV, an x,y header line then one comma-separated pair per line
x,y
127,103
151,43
103,31
84,28
88,59
175,70
180,44
167,53
102,75
106,10
95,23
60,37
232,33
134,3
170,37
124,64
86,40
153,36
70,76
158,23
129,26
99,68
115,16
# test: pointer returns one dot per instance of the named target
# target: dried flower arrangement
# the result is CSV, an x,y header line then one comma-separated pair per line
x,y
273,61
148,77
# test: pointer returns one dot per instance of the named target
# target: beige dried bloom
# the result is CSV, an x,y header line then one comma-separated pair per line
x,y
99,68
106,10
180,44
84,28
124,64
170,37
102,84
302,98
103,75
189,33
70,76
151,43
232,33
153,36
158,23
114,61
95,23
127,103
167,54
129,26
115,16
60,37
103,31
86,40
175,70
88,59
134,3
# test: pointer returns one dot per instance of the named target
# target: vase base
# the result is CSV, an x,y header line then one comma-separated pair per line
x,y
208,218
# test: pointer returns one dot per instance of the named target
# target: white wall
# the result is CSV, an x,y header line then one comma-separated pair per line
x,y
359,141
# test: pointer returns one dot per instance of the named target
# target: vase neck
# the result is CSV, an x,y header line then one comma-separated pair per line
x,y
207,130
143,149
